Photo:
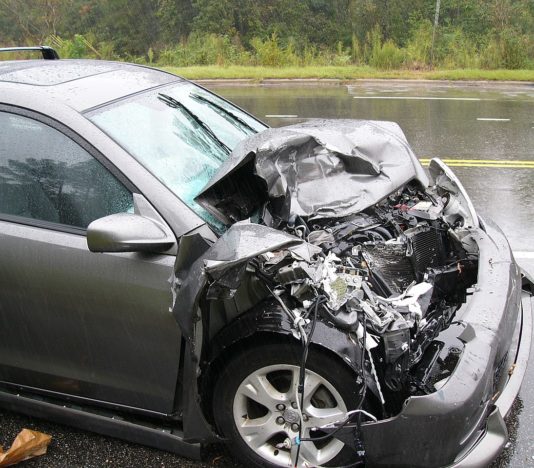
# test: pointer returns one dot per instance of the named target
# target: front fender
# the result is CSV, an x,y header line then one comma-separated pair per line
x,y
269,319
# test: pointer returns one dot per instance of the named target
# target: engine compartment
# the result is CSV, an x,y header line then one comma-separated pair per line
x,y
390,277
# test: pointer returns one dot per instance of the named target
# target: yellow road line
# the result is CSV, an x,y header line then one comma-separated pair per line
x,y
499,163
509,166
504,161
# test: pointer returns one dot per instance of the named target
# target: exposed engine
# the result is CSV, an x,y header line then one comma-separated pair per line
x,y
337,238
392,276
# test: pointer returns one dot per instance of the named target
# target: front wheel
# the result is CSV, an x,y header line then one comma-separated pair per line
x,y
255,405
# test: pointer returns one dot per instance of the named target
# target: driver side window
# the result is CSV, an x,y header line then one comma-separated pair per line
x,y
46,176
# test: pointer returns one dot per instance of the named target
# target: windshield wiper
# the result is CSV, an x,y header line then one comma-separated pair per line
x,y
220,108
171,102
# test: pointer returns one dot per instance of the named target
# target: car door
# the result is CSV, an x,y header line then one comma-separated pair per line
x,y
92,326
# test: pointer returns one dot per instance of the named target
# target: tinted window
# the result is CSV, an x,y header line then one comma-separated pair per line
x,y
46,176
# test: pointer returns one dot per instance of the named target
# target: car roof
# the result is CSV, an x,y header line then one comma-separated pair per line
x,y
80,84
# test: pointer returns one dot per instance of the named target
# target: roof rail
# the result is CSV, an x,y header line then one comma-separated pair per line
x,y
48,52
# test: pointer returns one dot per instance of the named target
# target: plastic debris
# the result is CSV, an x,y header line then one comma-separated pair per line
x,y
27,444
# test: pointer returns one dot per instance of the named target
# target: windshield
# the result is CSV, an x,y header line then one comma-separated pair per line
x,y
180,133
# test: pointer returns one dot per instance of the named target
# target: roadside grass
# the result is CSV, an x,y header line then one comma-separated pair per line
x,y
348,72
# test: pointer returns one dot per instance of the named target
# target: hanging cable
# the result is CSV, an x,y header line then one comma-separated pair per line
x,y
350,414
302,372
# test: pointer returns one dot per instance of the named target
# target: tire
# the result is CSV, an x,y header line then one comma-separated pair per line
x,y
254,382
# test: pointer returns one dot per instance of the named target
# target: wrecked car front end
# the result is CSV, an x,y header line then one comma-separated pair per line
x,y
470,405
338,241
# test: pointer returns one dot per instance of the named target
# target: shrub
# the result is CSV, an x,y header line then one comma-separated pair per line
x,y
513,49
418,48
77,47
507,49
387,56
205,49
356,53
490,56
457,50
269,53
82,47
373,43
342,55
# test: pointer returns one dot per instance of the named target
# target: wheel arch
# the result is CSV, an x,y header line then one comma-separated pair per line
x,y
268,323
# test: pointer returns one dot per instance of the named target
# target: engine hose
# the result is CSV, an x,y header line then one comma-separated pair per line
x,y
349,324
376,235
384,232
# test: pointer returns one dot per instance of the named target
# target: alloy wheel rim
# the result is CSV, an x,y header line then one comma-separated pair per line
x,y
265,414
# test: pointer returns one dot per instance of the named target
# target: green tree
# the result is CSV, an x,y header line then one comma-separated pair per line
x,y
176,19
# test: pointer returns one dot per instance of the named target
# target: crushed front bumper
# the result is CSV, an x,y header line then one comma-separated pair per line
x,y
462,424
495,435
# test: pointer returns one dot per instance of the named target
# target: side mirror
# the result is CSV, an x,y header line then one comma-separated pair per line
x,y
128,232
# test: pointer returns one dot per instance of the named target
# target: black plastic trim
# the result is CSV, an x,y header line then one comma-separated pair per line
x,y
52,397
38,223
103,423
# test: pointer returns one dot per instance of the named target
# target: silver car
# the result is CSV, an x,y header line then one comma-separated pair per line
x,y
175,273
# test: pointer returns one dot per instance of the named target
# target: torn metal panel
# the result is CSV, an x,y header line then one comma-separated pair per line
x,y
240,243
316,169
459,205
358,284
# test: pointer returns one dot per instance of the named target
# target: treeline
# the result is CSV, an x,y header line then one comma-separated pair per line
x,y
382,33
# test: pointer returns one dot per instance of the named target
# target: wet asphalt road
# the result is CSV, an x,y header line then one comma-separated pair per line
x,y
462,123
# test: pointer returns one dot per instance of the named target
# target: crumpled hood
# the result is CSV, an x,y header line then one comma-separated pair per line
x,y
315,169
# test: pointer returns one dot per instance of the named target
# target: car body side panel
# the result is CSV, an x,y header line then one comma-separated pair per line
x,y
90,325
